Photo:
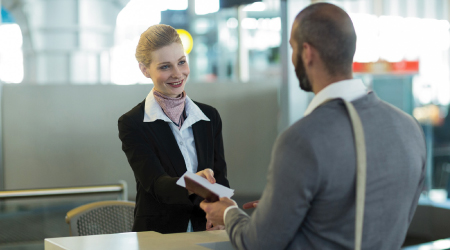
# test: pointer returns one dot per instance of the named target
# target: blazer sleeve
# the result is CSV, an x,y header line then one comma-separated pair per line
x,y
220,166
147,167
294,163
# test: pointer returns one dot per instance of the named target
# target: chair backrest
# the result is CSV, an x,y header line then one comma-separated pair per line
x,y
103,217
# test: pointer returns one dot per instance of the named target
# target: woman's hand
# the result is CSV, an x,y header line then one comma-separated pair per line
x,y
207,174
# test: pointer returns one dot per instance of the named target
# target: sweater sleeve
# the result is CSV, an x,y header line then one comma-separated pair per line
x,y
292,184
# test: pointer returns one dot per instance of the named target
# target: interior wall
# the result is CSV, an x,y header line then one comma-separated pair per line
x,y
66,135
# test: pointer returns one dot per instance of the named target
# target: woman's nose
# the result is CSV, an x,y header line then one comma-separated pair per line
x,y
176,73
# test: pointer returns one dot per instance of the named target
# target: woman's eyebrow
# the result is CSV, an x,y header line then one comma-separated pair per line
x,y
169,62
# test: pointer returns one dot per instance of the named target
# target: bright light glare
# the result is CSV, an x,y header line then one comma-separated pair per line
x,y
439,33
441,244
366,27
269,24
171,5
443,95
263,39
249,23
140,13
422,89
232,23
11,36
11,56
437,245
203,7
438,195
124,67
275,24
177,4
134,19
257,6
202,25
394,38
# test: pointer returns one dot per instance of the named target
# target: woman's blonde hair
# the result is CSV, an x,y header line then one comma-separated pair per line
x,y
154,38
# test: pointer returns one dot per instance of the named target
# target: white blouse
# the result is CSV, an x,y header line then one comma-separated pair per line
x,y
184,136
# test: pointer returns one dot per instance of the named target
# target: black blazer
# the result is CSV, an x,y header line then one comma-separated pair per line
x,y
157,163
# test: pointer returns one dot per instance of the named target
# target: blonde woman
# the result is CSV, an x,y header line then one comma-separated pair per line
x,y
168,134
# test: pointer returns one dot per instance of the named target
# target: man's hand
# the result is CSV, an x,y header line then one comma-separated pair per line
x,y
252,204
214,211
211,227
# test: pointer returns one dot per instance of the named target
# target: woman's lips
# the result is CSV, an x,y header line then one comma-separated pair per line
x,y
176,84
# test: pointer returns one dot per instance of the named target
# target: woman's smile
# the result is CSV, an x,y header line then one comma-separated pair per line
x,y
176,84
169,69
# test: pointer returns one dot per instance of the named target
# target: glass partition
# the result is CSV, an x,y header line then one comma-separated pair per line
x,y
25,223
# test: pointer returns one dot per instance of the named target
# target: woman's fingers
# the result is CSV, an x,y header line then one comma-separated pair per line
x,y
208,174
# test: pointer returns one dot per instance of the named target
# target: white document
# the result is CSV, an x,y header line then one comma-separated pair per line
x,y
216,188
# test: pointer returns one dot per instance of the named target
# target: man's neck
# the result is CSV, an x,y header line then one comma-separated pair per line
x,y
325,80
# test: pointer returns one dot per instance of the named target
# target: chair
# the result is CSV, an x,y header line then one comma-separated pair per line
x,y
103,217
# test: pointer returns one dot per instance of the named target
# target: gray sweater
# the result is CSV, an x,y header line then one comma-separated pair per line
x,y
309,199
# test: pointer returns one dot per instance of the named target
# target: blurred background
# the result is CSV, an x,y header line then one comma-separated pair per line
x,y
68,72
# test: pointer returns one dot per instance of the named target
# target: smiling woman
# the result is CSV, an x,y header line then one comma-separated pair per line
x,y
169,69
168,134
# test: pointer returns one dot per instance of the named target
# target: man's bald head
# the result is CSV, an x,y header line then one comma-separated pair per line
x,y
330,31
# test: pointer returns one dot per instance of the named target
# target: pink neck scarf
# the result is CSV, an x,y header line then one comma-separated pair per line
x,y
172,107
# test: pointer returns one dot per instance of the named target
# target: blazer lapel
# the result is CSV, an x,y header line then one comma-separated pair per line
x,y
165,137
201,134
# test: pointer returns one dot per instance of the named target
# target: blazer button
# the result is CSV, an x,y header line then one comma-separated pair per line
x,y
181,143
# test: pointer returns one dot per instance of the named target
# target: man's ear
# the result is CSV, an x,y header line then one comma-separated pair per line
x,y
308,53
144,70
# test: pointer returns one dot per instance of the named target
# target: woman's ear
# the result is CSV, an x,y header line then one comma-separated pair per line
x,y
144,70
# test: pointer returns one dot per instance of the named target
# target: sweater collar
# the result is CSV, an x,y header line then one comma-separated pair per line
x,y
348,90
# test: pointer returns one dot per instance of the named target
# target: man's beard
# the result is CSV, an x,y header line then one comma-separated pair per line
x,y
300,71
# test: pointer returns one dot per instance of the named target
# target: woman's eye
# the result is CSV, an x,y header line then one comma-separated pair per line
x,y
164,67
182,62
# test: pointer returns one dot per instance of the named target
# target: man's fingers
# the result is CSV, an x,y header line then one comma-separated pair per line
x,y
218,227
251,204
209,225
228,202
225,199
204,205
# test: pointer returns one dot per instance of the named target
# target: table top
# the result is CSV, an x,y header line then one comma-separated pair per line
x,y
217,240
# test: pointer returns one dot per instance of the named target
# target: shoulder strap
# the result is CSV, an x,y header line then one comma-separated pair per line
x,y
361,165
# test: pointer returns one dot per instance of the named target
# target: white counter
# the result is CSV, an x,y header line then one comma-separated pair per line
x,y
217,240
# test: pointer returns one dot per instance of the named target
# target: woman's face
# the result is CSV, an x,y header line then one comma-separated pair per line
x,y
168,70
